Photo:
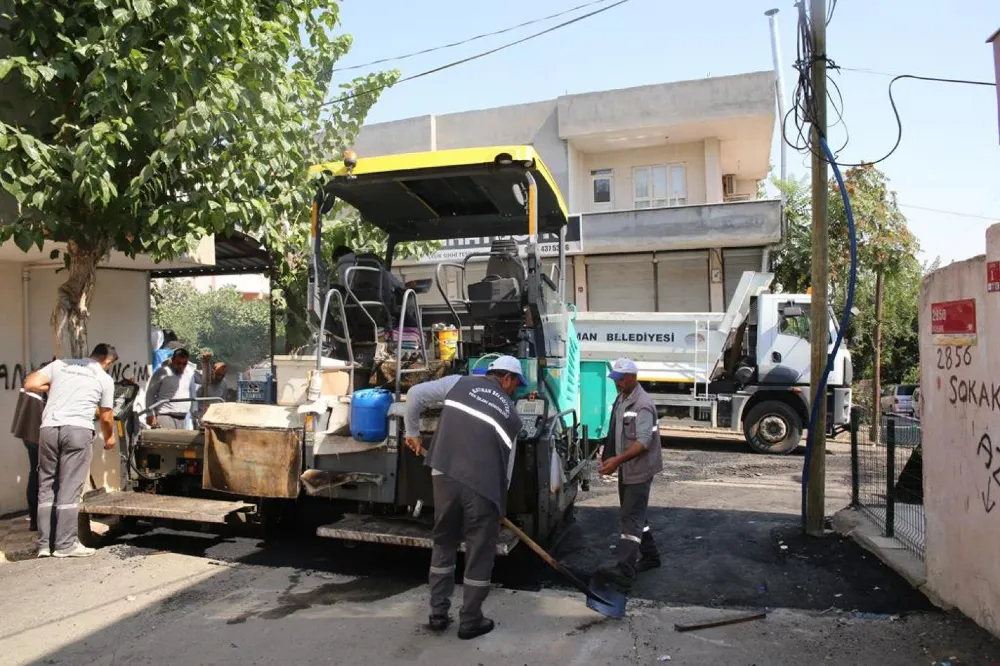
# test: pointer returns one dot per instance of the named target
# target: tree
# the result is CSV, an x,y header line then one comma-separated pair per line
x,y
886,247
793,260
235,330
143,126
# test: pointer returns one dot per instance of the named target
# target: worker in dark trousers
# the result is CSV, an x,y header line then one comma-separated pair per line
x,y
634,452
471,458
25,426
77,390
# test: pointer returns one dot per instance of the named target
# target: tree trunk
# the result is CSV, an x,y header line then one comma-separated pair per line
x,y
877,362
72,309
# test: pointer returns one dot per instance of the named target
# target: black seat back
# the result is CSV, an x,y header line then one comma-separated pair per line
x,y
499,295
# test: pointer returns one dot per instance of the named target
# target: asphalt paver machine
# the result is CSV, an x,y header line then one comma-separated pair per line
x,y
371,344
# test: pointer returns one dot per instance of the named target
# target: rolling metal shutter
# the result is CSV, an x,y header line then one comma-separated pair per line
x,y
682,282
620,283
735,262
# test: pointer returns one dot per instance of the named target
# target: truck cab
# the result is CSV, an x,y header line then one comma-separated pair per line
x,y
772,400
747,369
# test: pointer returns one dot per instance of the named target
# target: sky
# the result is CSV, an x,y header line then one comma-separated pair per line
x,y
949,157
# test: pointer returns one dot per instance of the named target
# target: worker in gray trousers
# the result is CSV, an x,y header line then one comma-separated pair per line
x,y
635,452
78,390
472,459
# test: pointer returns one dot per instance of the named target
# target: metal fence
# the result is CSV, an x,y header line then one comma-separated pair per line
x,y
887,475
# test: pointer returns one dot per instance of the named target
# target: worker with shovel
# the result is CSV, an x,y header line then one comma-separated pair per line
x,y
633,450
472,458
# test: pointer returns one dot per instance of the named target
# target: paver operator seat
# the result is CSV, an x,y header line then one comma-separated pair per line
x,y
499,295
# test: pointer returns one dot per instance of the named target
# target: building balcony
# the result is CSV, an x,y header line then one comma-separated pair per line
x,y
734,224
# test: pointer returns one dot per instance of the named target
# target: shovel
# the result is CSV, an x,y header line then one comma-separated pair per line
x,y
551,561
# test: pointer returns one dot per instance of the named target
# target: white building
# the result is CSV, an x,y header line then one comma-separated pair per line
x,y
661,182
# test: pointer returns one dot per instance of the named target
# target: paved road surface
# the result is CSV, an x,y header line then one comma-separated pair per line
x,y
722,516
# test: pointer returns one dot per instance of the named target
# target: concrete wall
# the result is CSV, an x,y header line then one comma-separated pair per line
x,y
119,315
410,135
667,104
961,436
532,124
728,225
13,459
692,155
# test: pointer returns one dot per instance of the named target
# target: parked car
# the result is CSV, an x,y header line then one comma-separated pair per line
x,y
918,405
898,399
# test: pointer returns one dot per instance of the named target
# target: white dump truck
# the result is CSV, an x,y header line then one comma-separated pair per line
x,y
746,369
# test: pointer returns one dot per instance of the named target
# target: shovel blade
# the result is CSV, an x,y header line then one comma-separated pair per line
x,y
606,600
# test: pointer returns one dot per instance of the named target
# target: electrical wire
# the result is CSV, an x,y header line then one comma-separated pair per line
x,y
469,40
899,121
477,56
845,319
829,14
804,109
992,218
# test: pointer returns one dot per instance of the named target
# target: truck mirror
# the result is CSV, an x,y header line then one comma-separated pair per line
x,y
791,311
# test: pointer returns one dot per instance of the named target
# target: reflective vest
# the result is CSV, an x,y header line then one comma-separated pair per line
x,y
475,439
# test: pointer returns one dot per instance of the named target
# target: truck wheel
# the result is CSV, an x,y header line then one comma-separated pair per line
x,y
773,427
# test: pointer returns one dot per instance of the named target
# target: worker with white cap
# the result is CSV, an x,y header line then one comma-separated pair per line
x,y
633,450
472,459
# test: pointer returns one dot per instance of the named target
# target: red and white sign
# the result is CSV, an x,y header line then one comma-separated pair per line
x,y
993,276
954,322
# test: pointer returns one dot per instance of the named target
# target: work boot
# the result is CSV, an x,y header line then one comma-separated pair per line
x,y
438,622
485,626
76,550
647,562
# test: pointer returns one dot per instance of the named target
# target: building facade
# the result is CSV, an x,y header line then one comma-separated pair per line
x,y
661,182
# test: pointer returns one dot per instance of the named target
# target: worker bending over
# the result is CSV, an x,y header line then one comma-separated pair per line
x,y
472,458
77,389
634,452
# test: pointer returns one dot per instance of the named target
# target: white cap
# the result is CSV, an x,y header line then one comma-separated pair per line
x,y
622,367
508,364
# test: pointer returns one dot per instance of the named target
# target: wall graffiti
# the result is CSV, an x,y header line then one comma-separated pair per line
x,y
962,391
135,372
986,447
12,376
971,391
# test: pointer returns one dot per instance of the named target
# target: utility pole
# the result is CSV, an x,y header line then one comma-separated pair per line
x,y
820,326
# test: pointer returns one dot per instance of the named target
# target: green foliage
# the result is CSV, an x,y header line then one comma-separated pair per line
x,y
885,244
142,126
234,330
792,262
